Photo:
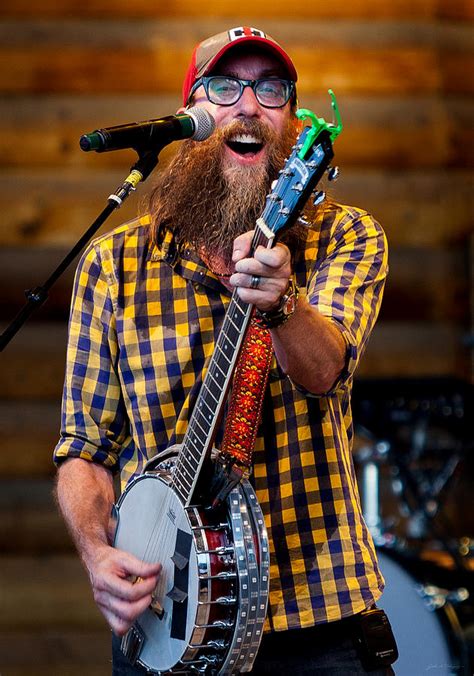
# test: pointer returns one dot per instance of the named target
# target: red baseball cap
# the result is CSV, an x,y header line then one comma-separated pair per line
x,y
207,53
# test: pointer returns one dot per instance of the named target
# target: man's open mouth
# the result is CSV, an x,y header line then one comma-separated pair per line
x,y
245,144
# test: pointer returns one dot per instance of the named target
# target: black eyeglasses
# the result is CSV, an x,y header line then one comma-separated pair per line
x,y
225,90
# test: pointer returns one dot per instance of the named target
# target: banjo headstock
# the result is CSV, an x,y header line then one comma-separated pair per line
x,y
309,159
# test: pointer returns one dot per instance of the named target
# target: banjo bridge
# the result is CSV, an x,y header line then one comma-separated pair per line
x,y
156,608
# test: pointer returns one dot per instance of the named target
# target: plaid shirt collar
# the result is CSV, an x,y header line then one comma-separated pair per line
x,y
187,263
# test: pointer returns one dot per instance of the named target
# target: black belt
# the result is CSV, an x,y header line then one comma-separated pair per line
x,y
347,627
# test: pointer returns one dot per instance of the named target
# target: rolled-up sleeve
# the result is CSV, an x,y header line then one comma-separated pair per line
x,y
93,420
348,284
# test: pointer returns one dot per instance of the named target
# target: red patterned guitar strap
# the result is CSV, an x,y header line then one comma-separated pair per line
x,y
245,407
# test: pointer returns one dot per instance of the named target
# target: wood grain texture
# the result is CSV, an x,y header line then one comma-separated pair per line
x,y
381,71
32,368
29,519
406,349
251,10
60,651
180,34
54,592
351,57
24,269
427,285
31,431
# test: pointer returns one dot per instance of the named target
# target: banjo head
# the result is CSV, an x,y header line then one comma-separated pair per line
x,y
153,525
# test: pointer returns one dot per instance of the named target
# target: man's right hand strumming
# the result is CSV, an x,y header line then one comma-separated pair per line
x,y
122,586
121,583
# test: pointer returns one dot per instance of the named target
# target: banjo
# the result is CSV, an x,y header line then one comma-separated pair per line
x,y
210,603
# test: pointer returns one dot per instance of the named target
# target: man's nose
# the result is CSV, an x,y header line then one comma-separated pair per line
x,y
247,105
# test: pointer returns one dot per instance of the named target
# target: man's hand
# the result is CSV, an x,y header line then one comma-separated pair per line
x,y
271,267
122,586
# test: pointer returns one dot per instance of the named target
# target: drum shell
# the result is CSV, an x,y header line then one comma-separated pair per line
x,y
428,639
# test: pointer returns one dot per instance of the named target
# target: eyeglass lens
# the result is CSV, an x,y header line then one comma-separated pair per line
x,y
227,90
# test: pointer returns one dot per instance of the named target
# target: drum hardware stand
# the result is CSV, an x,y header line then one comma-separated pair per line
x,y
437,598
418,493
371,457
147,161
420,500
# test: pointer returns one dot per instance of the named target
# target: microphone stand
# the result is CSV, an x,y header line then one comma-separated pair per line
x,y
147,161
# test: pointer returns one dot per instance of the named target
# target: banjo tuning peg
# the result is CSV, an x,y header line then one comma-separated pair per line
x,y
319,197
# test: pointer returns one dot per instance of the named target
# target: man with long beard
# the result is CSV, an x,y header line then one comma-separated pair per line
x,y
149,299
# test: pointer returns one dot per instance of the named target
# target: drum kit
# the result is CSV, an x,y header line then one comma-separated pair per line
x,y
413,453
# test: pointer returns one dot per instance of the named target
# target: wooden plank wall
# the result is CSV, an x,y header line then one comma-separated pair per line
x,y
402,71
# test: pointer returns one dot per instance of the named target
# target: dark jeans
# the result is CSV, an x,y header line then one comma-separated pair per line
x,y
324,651
328,650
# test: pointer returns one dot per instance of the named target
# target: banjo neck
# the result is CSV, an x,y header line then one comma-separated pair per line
x,y
197,442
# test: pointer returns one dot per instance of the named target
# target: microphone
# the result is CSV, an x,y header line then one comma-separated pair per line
x,y
196,123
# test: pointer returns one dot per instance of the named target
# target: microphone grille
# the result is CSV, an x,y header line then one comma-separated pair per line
x,y
204,123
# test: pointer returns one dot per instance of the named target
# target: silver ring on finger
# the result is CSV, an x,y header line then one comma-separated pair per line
x,y
255,281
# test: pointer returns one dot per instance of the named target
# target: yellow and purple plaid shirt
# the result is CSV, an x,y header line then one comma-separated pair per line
x,y
144,322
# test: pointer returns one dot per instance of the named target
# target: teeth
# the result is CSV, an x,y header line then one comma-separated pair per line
x,y
244,138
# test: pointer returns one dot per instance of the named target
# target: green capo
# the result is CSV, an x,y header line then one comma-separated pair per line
x,y
319,124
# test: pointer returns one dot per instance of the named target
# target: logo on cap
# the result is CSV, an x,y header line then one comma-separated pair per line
x,y
245,32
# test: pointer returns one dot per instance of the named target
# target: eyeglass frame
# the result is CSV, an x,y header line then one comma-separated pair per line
x,y
205,80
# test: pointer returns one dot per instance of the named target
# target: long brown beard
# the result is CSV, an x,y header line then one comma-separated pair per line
x,y
206,204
